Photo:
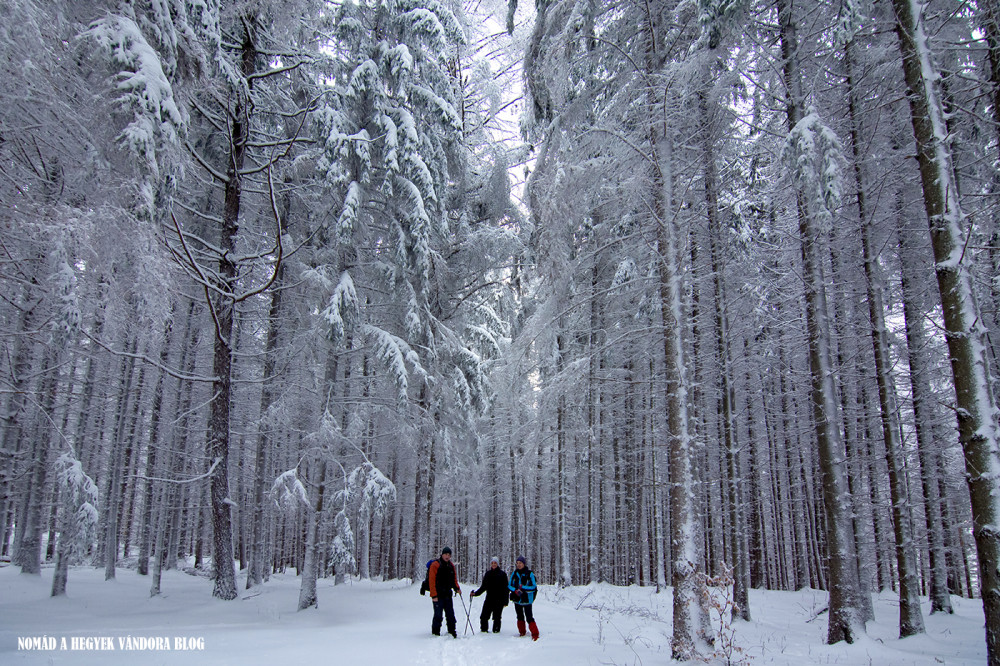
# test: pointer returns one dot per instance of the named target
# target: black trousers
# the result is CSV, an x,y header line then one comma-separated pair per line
x,y
524,612
443,605
494,609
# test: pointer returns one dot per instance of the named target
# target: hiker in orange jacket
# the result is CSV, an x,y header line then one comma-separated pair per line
x,y
442,578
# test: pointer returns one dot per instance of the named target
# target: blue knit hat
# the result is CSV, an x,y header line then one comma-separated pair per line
x,y
520,558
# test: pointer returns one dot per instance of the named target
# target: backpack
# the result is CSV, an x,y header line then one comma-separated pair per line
x,y
426,585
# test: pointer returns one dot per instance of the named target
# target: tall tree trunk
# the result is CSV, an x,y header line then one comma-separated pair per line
x,y
911,620
28,548
116,463
314,549
419,528
688,621
594,397
14,443
127,498
964,331
159,544
146,535
855,408
67,527
684,530
364,544
762,539
846,618
658,536
262,469
423,488
989,16
741,599
923,398
562,568
797,553
217,443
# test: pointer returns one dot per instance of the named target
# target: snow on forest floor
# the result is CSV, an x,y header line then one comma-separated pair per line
x,y
389,623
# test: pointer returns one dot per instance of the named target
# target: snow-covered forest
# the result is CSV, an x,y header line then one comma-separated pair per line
x,y
681,294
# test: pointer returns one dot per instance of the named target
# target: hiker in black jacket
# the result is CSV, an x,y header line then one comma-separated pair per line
x,y
495,587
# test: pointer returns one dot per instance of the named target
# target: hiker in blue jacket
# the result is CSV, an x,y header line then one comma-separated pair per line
x,y
522,588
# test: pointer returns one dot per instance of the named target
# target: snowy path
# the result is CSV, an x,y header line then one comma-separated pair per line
x,y
389,623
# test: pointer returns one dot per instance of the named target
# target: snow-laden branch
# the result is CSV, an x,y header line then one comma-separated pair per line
x,y
215,463
396,353
145,359
204,281
221,177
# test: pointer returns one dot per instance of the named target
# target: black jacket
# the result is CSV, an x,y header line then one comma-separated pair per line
x,y
442,578
495,586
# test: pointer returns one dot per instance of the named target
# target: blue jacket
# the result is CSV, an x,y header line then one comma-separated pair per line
x,y
523,580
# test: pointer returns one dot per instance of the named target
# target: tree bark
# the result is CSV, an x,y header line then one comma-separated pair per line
x,y
14,443
28,549
313,551
146,535
964,331
563,567
911,620
846,619
683,523
262,470
737,547
217,444
922,398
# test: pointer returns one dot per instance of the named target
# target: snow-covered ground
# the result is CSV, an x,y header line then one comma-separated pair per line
x,y
389,623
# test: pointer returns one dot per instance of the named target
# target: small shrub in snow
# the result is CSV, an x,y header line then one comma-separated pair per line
x,y
720,599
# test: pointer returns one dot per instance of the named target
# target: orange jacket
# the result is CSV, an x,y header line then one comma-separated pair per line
x,y
432,578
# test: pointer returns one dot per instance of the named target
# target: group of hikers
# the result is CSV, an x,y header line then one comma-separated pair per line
x,y
520,588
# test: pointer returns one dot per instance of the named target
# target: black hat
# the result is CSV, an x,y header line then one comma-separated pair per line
x,y
446,549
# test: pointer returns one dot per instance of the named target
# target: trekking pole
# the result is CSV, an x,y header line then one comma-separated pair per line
x,y
468,622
